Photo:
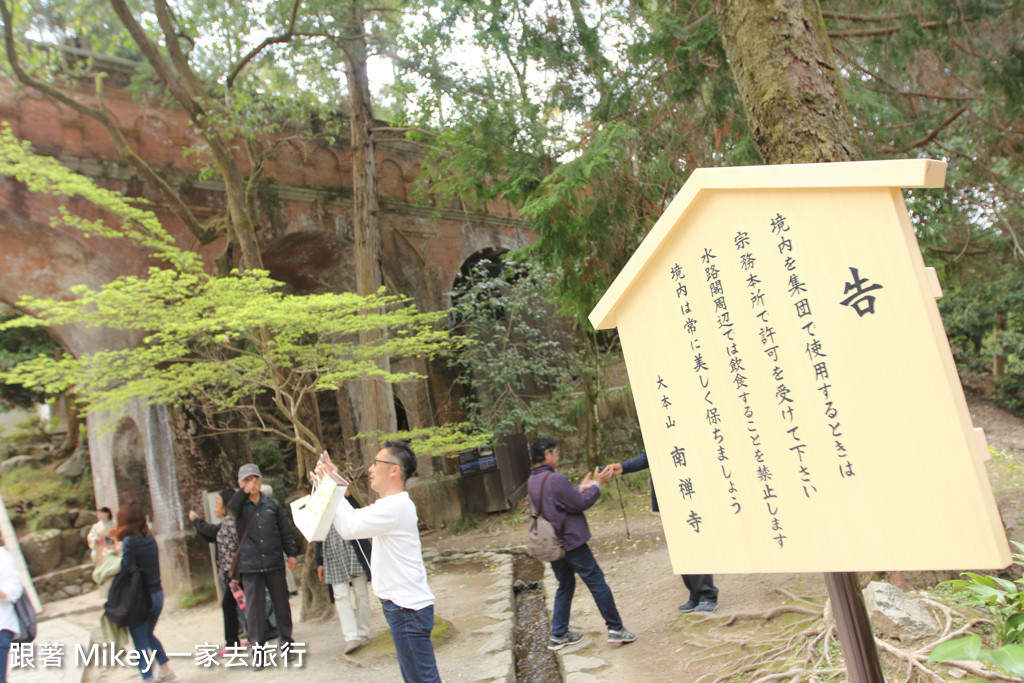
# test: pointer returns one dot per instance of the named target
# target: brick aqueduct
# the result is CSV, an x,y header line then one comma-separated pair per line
x,y
307,244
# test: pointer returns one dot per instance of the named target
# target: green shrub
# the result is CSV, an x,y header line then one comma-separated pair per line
x,y
1004,600
266,453
467,522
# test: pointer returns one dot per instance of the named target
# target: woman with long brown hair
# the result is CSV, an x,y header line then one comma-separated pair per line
x,y
139,549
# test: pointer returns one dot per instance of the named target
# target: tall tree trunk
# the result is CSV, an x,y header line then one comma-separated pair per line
x,y
378,410
786,74
591,384
999,360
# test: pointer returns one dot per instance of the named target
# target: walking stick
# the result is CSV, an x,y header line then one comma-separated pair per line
x,y
622,505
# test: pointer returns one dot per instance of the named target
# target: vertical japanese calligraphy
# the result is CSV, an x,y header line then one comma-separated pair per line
x,y
792,379
816,361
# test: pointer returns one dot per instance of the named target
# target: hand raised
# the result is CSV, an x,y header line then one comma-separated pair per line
x,y
603,476
324,466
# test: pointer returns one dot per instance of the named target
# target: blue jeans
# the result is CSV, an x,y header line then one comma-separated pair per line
x,y
410,629
5,647
146,641
581,561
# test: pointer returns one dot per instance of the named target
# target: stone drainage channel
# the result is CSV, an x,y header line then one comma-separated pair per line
x,y
520,604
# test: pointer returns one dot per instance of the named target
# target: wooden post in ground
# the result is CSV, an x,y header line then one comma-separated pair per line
x,y
855,636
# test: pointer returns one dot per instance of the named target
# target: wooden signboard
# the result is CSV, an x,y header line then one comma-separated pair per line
x,y
796,392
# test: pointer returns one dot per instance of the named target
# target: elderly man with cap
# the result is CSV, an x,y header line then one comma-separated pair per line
x,y
265,536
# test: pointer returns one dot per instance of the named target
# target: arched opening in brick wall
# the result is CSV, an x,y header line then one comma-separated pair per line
x,y
131,477
311,262
485,265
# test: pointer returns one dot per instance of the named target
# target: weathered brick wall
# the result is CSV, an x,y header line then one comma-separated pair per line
x,y
306,242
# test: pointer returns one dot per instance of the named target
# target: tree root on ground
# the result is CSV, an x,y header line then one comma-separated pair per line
x,y
803,650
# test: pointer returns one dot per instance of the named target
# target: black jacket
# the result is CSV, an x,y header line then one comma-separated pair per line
x,y
142,552
269,538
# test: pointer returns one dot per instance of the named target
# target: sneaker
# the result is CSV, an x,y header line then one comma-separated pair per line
x,y
567,638
707,606
622,636
688,606
353,645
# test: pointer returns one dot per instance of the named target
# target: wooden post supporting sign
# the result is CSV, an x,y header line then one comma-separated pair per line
x,y
855,636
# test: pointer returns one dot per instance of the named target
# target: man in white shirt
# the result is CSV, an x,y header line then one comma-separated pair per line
x,y
396,564
10,591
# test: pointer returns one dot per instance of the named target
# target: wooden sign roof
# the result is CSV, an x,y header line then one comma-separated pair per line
x,y
795,389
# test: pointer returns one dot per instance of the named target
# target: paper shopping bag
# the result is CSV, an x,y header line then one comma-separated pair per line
x,y
313,514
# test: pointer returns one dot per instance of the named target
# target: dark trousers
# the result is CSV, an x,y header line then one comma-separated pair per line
x,y
229,608
5,648
145,640
410,631
255,586
581,561
701,586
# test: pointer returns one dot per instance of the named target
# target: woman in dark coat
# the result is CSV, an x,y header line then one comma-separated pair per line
x,y
138,548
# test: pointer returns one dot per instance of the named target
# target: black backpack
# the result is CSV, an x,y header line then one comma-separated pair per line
x,y
129,602
26,614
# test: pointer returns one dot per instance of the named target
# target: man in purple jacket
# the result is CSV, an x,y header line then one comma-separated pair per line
x,y
563,504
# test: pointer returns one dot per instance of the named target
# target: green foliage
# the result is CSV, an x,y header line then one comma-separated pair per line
x,y
33,494
588,117
467,522
16,346
266,453
516,360
983,322
1004,600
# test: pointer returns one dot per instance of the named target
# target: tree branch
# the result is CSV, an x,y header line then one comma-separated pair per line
x,y
921,142
178,58
865,19
424,145
281,38
874,32
404,129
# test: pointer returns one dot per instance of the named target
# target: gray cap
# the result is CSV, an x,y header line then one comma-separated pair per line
x,y
248,471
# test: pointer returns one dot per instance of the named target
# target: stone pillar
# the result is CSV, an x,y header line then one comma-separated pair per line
x,y
157,444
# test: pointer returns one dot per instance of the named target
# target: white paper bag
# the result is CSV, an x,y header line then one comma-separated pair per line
x,y
314,514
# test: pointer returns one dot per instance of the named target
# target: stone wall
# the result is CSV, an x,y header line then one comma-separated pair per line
x,y
65,583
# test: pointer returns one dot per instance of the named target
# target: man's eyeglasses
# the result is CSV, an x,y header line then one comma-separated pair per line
x,y
378,461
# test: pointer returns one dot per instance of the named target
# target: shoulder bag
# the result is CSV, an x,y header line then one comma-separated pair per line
x,y
236,556
544,542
